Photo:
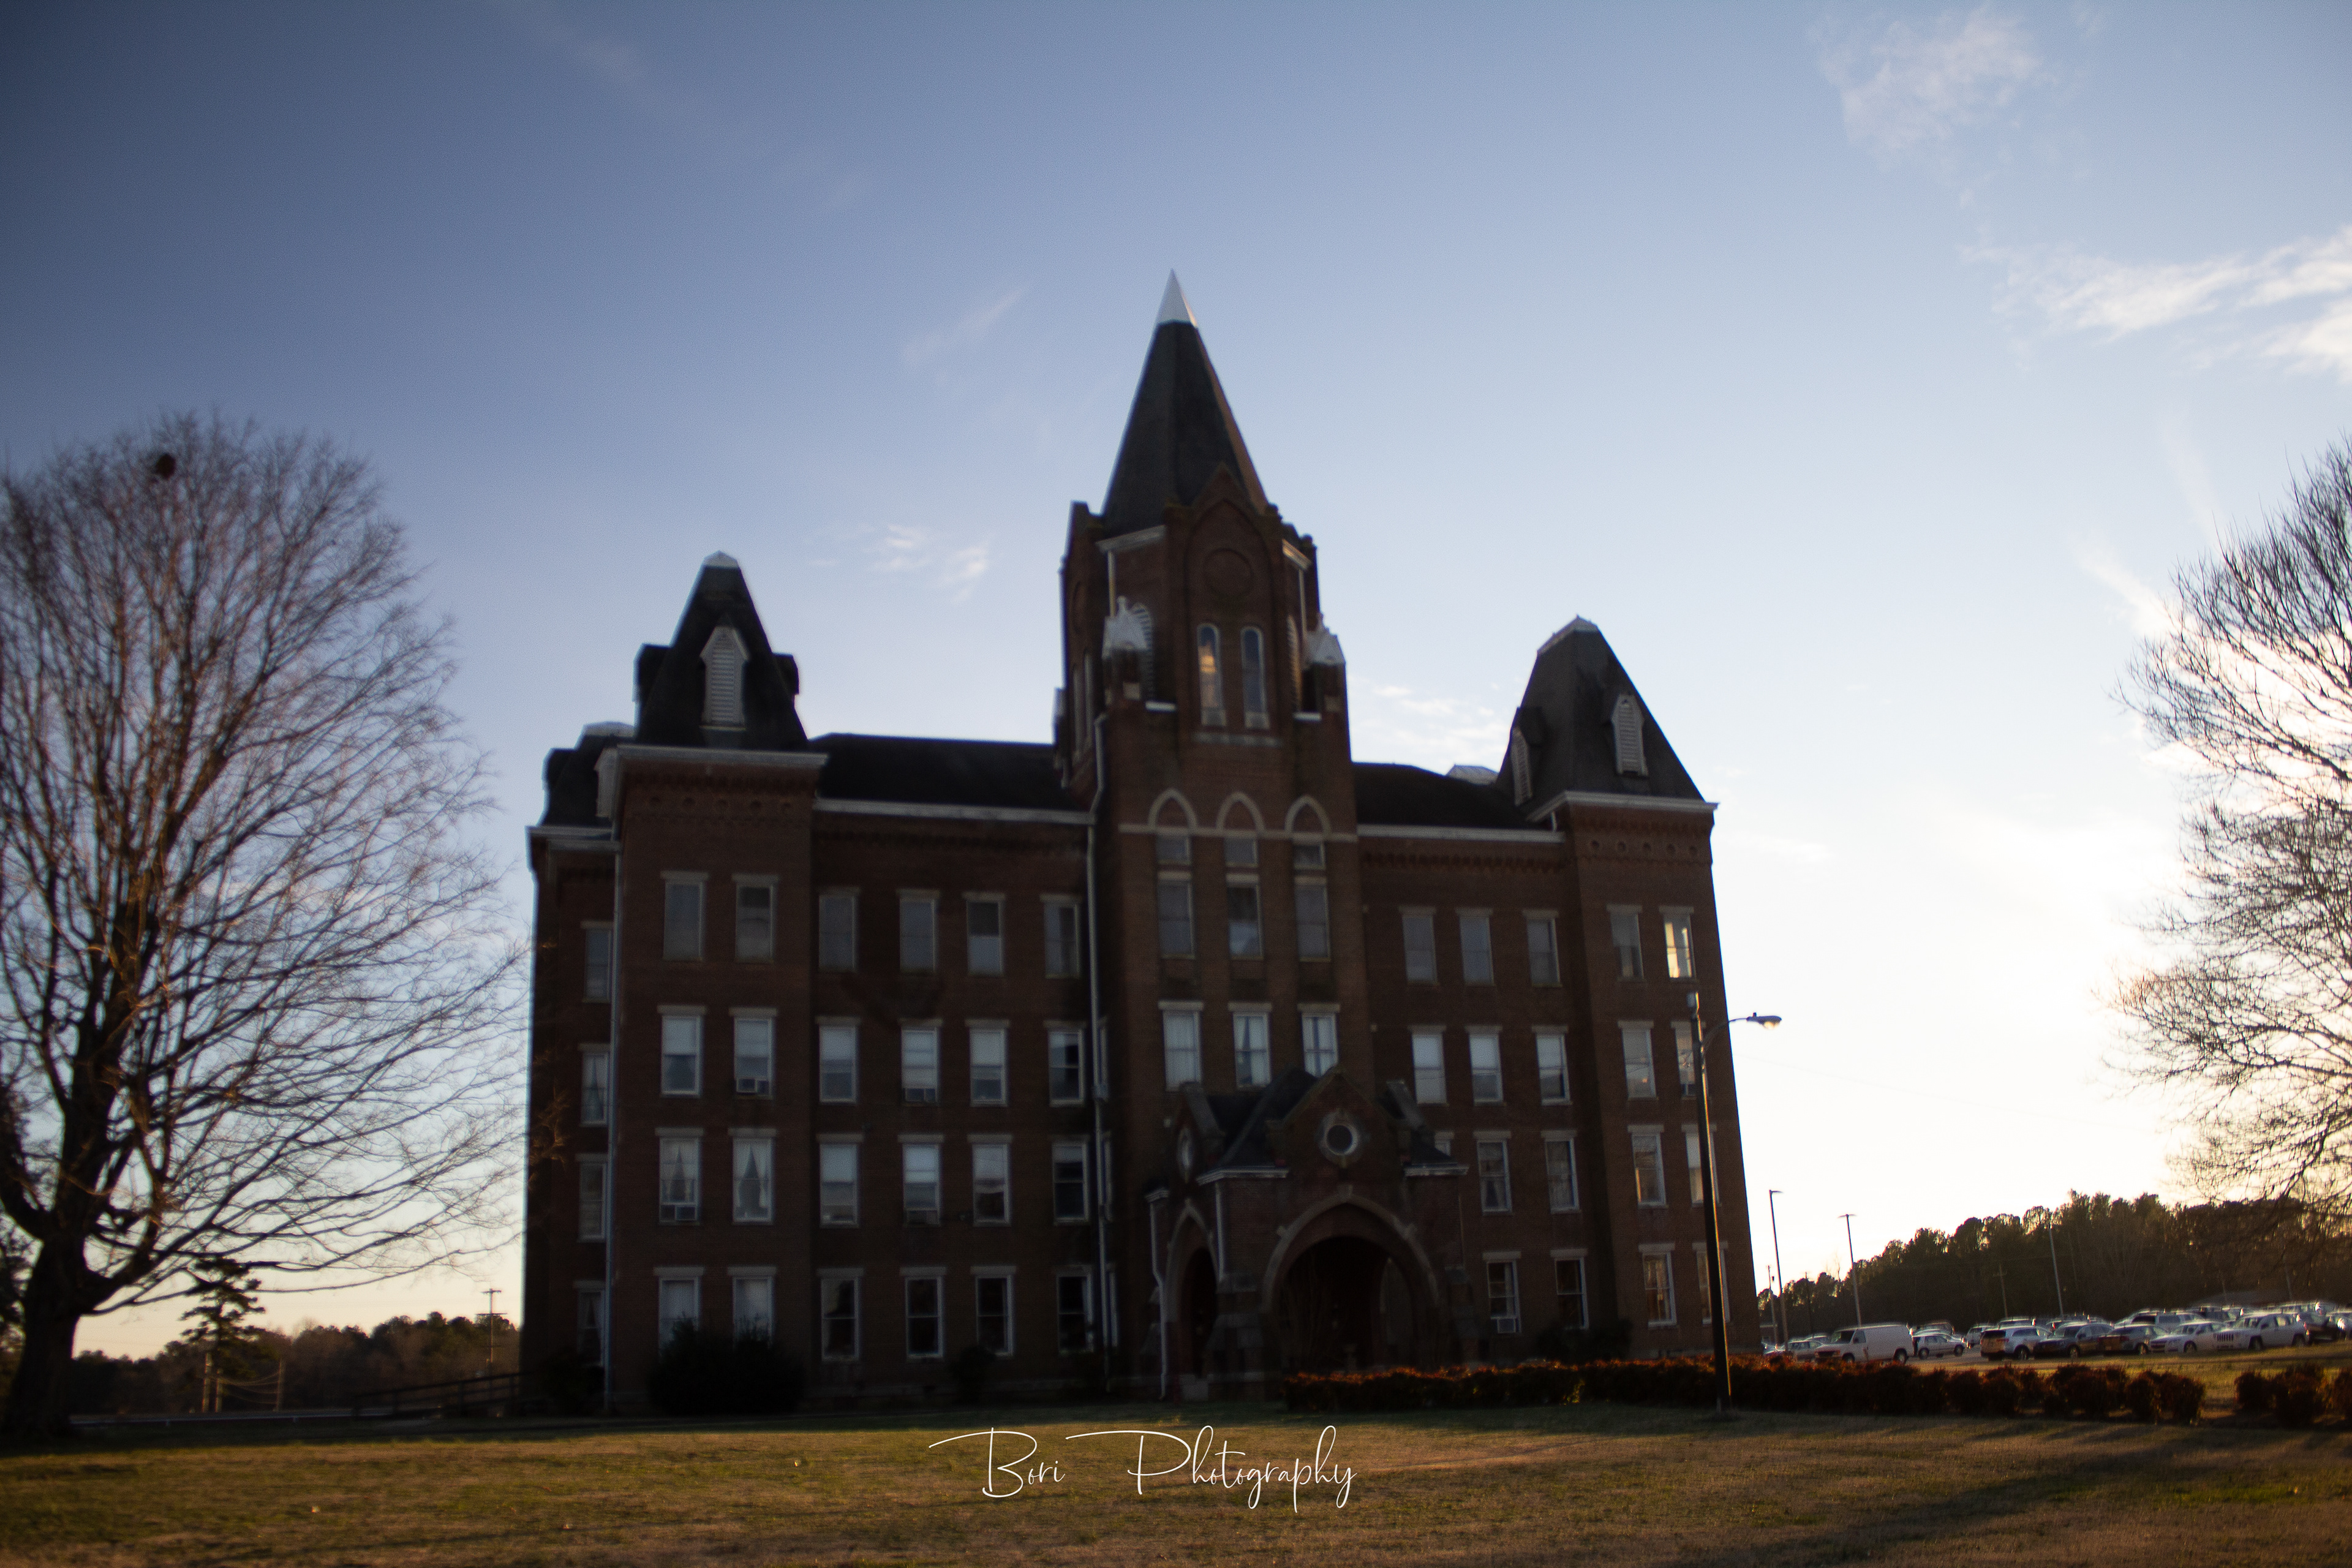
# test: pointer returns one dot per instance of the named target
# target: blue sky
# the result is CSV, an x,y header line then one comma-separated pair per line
x,y
1863,371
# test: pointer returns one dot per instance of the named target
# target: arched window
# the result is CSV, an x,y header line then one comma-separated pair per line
x,y
1628,722
1254,678
1212,685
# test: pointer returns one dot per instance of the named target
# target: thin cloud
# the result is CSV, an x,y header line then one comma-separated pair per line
x,y
1397,723
2310,279
966,333
2145,607
1911,87
923,553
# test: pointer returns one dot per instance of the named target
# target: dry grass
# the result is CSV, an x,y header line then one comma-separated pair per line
x,y
1585,1483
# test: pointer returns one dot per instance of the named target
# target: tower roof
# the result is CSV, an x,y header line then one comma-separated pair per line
x,y
1180,430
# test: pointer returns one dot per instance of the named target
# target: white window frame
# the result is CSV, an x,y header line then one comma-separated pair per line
x,y
837,932
755,1044
1176,924
588,1322
754,1307
1559,1164
916,1157
831,1287
1066,1065
1086,1338
681,1041
1319,1039
1244,935
682,898
1624,921
1495,1180
1477,933
1662,1257
988,1049
596,982
835,1156
1640,1058
981,1278
1570,1257
595,1198
1552,1087
1311,906
1685,1059
1062,939
596,1087
934,1285
1252,1048
1208,647
760,1154
918,1063
1503,1295
836,1044
679,1178
919,940
983,953
1420,956
1682,957
1254,681
992,1173
1694,1157
1180,1044
1653,1140
1485,1067
1701,1274
755,952
1065,1151
1429,1067
672,1292
1543,948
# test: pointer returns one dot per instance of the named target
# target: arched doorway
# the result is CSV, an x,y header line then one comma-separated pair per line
x,y
1200,1313
1343,1305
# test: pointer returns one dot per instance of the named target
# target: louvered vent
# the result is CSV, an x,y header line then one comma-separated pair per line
x,y
722,681
1628,722
1522,774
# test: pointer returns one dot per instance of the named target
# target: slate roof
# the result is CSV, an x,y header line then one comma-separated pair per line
x,y
1005,775
1571,693
1179,431
669,679
1393,794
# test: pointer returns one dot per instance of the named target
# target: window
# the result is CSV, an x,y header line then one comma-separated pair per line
x,y
836,1063
1254,678
1552,1068
1503,1295
918,1065
681,1054
1307,854
923,1337
1485,1067
1478,950
1626,719
992,1312
755,1056
1314,902
755,1308
1560,1173
1699,1278
681,1181
1245,937
991,1183
1680,965
1074,1313
918,1165
599,980
1252,1060
681,1305
983,922
837,1299
837,1169
755,919
1240,854
1649,1171
1543,951
592,1200
596,1087
1686,1061
1429,1067
1173,849
1494,1175
681,918
1625,934
1658,1287
755,1180
588,1333
1180,1038
1069,1181
1640,1077
1212,686
918,932
836,931
987,1067
1319,1040
1567,1287
1175,918
722,680
1693,1158
1064,1085
1420,946
1060,938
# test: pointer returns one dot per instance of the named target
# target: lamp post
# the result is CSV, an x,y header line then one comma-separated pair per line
x,y
1779,1279
1715,1291
1852,1268
2050,1230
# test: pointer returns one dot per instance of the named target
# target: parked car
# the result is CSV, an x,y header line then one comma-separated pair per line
x,y
2120,1339
1995,1341
1799,1348
1871,1341
2184,1339
2275,1329
1938,1343
2328,1330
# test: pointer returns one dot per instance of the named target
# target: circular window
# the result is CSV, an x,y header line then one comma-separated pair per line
x,y
1184,1152
1341,1139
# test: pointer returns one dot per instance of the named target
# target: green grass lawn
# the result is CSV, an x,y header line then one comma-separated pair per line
x,y
1582,1483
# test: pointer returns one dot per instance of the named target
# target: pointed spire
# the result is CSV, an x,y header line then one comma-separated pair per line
x,y
1173,306
1179,432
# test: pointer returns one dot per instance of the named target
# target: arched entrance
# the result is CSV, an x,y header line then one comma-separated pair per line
x,y
1199,1319
1344,1304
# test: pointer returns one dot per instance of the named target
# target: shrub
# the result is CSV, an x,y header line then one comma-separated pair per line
x,y
2180,1396
2299,1396
1967,1392
971,1369
2093,1392
2142,1396
1604,1341
573,1386
2001,1392
2339,1394
2033,1392
704,1372
2254,1392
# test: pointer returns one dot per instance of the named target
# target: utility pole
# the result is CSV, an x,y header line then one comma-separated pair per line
x,y
1779,1279
490,1320
1852,1268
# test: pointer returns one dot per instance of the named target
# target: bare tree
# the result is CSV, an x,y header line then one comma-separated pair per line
x,y
2252,1015
258,986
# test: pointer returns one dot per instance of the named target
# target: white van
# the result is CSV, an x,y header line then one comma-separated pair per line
x,y
1871,1341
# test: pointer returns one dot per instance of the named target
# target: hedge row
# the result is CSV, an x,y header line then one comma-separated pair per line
x,y
1885,1388
2298,1396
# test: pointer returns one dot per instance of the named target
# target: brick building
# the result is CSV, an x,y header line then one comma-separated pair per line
x,y
1387,1066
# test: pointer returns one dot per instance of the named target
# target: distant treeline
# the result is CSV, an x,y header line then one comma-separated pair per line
x,y
2114,1256
322,1367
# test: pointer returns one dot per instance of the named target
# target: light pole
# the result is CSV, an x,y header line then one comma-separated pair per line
x,y
1852,1268
1716,1299
2050,1230
1779,1279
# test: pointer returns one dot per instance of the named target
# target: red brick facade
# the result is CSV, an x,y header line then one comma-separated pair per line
x,y
1189,1190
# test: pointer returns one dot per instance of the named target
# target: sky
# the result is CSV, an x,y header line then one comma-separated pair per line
x,y
1866,372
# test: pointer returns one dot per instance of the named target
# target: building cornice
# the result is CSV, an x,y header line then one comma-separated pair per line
x,y
566,835
1637,802
808,762
1527,835
953,813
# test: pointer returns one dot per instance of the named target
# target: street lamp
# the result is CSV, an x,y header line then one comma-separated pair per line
x,y
1779,1279
2050,1230
1716,1297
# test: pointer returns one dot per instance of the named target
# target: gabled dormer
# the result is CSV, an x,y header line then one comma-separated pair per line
x,y
1583,730
717,682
